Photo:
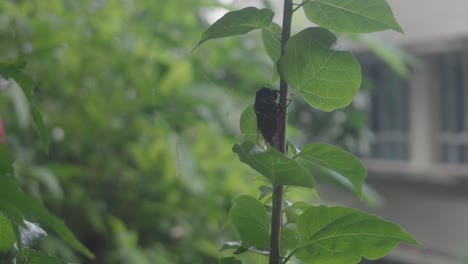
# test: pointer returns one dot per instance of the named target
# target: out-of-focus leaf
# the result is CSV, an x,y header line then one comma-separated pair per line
x,y
328,79
7,235
248,124
343,235
352,16
229,260
6,162
14,70
337,160
394,56
238,23
274,165
36,257
250,218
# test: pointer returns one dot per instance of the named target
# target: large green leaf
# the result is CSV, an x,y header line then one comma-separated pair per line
x,y
274,165
14,70
342,235
328,79
251,220
248,124
337,161
238,23
351,16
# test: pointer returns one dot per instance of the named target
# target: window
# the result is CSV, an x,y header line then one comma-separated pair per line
x,y
388,112
453,97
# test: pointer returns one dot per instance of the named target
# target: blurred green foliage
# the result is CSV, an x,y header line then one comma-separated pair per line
x,y
140,164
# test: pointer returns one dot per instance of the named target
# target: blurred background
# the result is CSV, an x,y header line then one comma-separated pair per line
x,y
140,164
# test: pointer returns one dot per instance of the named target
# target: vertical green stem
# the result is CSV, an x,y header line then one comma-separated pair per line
x,y
277,210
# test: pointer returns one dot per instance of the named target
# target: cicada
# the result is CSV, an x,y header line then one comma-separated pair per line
x,y
268,112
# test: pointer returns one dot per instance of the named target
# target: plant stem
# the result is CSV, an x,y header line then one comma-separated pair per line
x,y
277,210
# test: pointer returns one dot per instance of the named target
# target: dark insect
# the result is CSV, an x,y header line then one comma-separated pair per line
x,y
268,113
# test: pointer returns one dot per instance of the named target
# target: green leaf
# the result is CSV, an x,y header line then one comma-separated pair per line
x,y
327,79
251,220
7,235
248,124
351,16
36,257
274,165
272,42
238,23
342,235
14,70
271,37
229,260
337,160
289,238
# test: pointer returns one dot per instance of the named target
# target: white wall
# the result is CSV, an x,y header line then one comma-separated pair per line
x,y
429,20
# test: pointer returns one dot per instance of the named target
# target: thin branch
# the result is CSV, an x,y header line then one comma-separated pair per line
x,y
277,203
289,256
299,5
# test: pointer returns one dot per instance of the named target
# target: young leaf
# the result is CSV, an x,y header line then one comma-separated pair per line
x,y
248,124
342,235
250,218
351,16
327,79
337,160
238,23
274,165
